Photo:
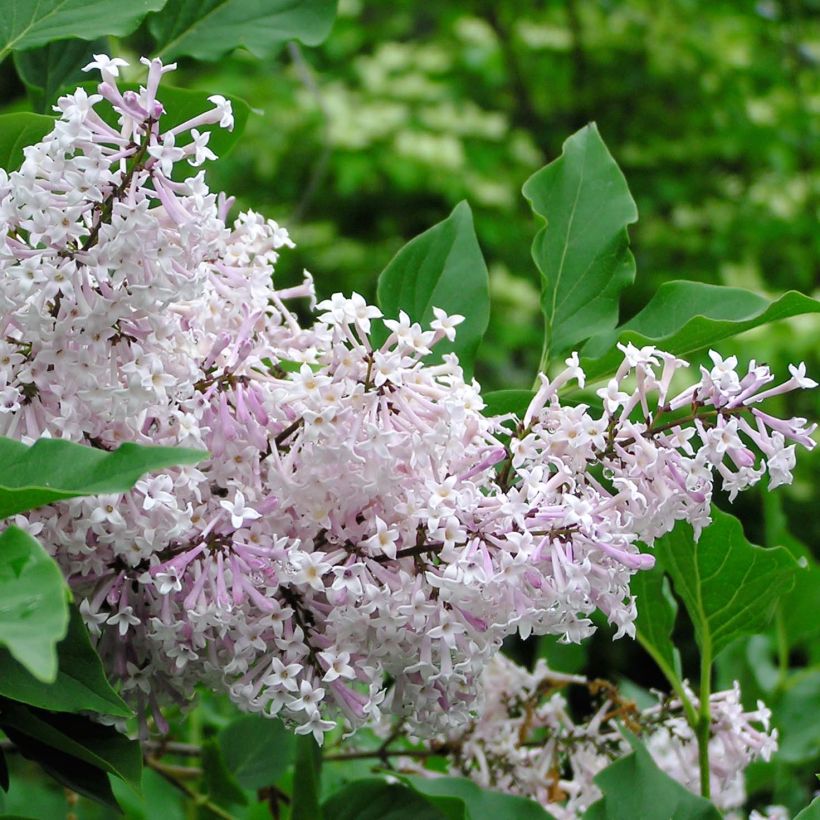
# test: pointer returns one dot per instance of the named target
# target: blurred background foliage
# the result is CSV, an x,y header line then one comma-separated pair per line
x,y
712,110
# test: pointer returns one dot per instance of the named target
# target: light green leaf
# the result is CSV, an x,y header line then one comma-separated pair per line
x,y
16,132
442,267
794,717
657,610
375,799
158,799
797,610
583,250
728,586
634,787
26,24
685,317
53,67
811,812
52,469
86,740
207,29
304,803
33,603
480,803
257,751
80,683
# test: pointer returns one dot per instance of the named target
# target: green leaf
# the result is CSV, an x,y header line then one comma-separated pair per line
x,y
480,803
442,267
375,799
728,586
657,610
798,608
221,785
33,603
256,750
685,317
52,469
76,775
181,105
501,402
634,787
16,132
207,29
158,799
78,737
811,812
304,804
55,66
24,24
794,717
583,250
80,684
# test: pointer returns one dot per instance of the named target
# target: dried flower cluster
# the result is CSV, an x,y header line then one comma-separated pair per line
x,y
362,537
526,740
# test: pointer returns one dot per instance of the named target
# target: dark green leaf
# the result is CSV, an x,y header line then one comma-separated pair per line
x,y
55,66
80,685
657,610
78,737
26,24
304,803
33,603
501,402
728,586
181,105
52,469
684,317
634,787
480,803
220,784
442,267
16,132
4,772
77,775
375,799
583,250
562,657
207,29
256,750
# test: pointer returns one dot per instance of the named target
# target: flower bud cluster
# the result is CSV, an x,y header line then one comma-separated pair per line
x,y
527,741
362,537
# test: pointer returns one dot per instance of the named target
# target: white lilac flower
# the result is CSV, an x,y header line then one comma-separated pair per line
x,y
360,522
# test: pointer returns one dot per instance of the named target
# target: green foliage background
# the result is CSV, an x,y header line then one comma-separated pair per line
x,y
712,110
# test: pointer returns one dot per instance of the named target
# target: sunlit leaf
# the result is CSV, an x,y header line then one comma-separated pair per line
x,y
443,268
52,469
728,586
207,29
685,317
26,24
583,250
80,684
33,603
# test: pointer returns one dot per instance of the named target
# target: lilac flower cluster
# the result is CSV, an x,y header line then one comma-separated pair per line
x,y
526,741
362,537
